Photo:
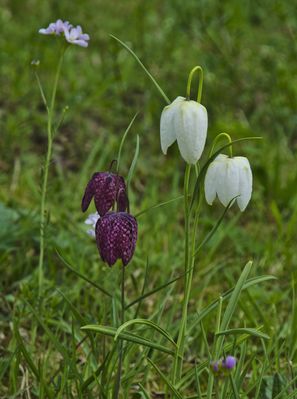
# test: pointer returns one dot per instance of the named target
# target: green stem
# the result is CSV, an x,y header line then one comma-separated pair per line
x,y
217,349
187,282
199,94
217,138
43,214
119,372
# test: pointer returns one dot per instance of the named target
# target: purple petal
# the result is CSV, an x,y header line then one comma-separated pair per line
x,y
229,363
84,36
89,194
105,187
116,236
81,43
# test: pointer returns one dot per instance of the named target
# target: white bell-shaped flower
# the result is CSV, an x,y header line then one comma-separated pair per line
x,y
229,178
185,121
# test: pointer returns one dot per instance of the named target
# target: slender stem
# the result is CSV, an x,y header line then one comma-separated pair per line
x,y
187,279
217,138
199,93
216,352
119,372
43,213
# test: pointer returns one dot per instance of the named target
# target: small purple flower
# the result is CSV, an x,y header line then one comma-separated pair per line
x,y
72,35
116,236
229,363
106,188
55,28
76,36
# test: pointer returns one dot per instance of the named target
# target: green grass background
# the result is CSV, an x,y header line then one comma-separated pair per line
x,y
248,52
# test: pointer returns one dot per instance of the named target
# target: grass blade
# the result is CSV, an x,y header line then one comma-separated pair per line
x,y
103,290
147,323
232,304
153,291
227,294
144,68
165,379
216,226
123,141
250,331
111,331
158,205
133,164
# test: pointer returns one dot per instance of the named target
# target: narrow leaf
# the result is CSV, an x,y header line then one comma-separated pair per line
x,y
133,164
250,331
147,323
216,226
111,331
123,141
159,205
144,68
165,379
249,283
103,290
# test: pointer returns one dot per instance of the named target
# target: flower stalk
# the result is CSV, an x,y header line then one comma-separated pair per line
x,y
120,345
189,265
190,243
50,134
199,70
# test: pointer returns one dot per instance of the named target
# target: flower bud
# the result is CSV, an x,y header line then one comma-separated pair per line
x,y
229,178
185,121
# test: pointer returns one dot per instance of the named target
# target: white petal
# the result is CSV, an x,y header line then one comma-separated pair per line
x,y
227,182
91,233
167,132
92,218
210,182
245,182
191,129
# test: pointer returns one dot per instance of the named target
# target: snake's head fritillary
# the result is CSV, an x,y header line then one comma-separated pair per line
x,y
106,188
116,236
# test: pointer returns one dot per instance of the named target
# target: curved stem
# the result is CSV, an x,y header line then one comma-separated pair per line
x,y
199,70
217,138
43,213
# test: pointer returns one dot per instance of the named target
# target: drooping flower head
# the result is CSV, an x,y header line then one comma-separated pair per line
x,y
116,235
228,178
185,121
106,188
72,35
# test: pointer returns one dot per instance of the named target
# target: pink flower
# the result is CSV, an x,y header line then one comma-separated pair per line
x,y
71,34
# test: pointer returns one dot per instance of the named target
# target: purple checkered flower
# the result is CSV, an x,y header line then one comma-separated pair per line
x,y
116,236
106,188
72,35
